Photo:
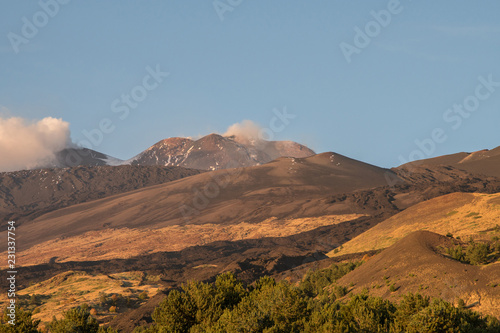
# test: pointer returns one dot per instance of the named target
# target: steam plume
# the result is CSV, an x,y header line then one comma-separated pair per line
x,y
29,144
246,132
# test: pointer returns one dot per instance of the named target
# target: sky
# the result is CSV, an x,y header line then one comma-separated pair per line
x,y
384,82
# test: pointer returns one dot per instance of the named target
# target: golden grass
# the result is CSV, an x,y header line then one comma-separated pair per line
x,y
463,215
125,243
73,288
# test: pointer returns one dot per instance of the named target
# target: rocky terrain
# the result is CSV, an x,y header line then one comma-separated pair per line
x,y
30,193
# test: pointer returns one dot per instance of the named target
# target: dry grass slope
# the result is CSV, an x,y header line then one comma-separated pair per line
x,y
126,243
463,215
69,289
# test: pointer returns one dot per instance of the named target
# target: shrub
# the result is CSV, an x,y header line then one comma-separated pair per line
x,y
314,282
477,253
271,306
103,299
33,299
456,253
460,303
474,253
441,316
176,312
75,320
24,323
199,303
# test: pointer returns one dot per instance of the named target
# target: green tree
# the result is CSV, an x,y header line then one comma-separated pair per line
x,y
477,253
176,313
314,282
270,307
410,305
24,323
33,299
76,320
199,304
441,316
457,253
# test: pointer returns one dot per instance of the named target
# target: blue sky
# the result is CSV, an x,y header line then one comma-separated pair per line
x,y
259,57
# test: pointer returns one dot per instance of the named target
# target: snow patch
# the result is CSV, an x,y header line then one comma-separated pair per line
x,y
112,161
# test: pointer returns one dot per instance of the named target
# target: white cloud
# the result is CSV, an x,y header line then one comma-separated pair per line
x,y
27,144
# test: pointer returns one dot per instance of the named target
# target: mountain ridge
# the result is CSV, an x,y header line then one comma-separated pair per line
x,y
214,151
210,152
485,162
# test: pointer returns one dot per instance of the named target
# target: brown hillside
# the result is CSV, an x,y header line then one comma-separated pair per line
x,y
34,192
483,162
461,214
286,188
413,265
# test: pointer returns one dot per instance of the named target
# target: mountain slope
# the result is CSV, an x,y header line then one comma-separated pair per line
x,y
33,192
486,162
287,188
461,214
213,152
72,157
413,264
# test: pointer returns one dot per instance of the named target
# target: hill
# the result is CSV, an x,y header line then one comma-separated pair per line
x,y
414,264
483,162
462,214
